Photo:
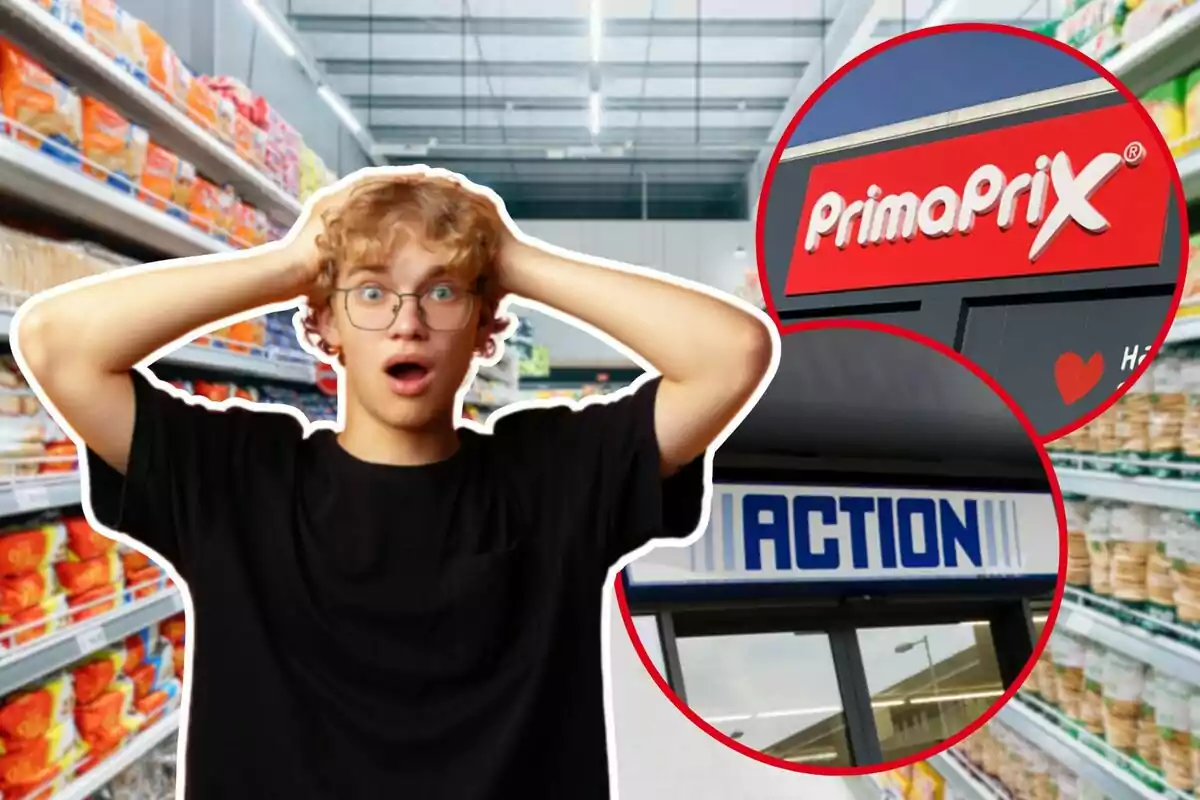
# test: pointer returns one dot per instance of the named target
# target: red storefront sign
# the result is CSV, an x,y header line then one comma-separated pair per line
x,y
1083,191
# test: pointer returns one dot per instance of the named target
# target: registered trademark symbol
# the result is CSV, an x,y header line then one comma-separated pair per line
x,y
1134,153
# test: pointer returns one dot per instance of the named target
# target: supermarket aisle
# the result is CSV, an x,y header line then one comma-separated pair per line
x,y
660,753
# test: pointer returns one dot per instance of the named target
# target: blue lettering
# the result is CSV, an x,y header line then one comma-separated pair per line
x,y
957,532
774,507
802,507
906,509
857,508
887,534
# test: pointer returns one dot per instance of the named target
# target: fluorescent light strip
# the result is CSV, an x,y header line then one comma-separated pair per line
x,y
799,712
814,757
340,108
950,698
268,24
594,104
596,29
727,718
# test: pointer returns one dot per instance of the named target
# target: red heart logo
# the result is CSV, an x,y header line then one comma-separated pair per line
x,y
1076,377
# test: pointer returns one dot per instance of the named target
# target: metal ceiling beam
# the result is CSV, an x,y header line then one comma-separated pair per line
x,y
852,27
562,69
614,28
518,103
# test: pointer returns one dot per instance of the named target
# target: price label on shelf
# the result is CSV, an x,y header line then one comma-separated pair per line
x,y
31,497
91,640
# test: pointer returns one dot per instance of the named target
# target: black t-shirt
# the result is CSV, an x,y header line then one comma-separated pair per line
x,y
363,630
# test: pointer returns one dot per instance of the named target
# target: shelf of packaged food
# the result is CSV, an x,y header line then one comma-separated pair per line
x,y
88,69
1087,616
41,180
1086,755
87,785
300,370
962,779
40,493
1162,492
1169,51
44,656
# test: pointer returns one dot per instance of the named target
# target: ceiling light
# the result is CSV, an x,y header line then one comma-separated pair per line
x,y
949,698
267,22
596,29
339,107
594,109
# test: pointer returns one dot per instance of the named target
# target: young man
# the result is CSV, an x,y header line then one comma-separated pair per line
x,y
404,608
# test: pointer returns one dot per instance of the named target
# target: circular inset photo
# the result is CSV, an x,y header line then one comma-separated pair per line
x,y
884,556
994,190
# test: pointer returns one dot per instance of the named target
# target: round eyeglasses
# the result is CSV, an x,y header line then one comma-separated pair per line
x,y
442,307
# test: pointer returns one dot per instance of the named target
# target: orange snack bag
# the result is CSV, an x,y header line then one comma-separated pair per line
x,y
63,449
144,582
31,712
132,560
84,541
114,32
143,680
202,105
178,655
21,628
81,577
110,716
94,602
164,70
137,645
250,225
174,629
206,206
31,547
37,759
49,113
107,144
159,176
19,592
93,677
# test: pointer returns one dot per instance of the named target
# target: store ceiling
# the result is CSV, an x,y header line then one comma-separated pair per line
x,y
857,394
500,90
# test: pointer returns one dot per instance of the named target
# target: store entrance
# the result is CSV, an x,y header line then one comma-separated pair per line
x,y
842,681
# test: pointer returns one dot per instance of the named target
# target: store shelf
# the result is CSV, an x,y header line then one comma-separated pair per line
x,y
1166,493
1168,51
963,781
62,648
86,68
29,495
1168,657
40,180
1077,753
223,361
1185,328
83,787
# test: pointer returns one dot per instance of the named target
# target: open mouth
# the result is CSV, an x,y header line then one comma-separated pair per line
x,y
408,377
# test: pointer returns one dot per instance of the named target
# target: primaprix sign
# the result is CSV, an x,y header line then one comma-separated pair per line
x,y
1077,192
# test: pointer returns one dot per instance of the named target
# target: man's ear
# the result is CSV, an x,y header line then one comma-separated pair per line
x,y
326,326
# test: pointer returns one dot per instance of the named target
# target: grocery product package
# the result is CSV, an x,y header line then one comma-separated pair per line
x,y
1100,549
114,149
1173,715
159,701
47,114
1129,538
1160,573
30,624
1092,28
1146,16
78,577
84,541
113,31
32,711
1184,550
96,673
1091,709
249,225
1070,654
132,560
1078,561
174,629
1168,407
1165,103
1123,681
1147,731
201,104
67,12
1191,112
145,582
96,601
1191,284
139,645
31,545
37,760
19,592
165,71
212,208
105,722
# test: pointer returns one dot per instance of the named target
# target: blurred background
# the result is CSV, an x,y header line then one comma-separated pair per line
x,y
638,130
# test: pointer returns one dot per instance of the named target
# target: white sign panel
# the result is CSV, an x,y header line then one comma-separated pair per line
x,y
820,533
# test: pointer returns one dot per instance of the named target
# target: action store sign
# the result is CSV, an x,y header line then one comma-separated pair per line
x,y
817,535
1045,248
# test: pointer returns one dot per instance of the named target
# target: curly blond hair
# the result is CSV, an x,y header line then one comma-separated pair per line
x,y
378,216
